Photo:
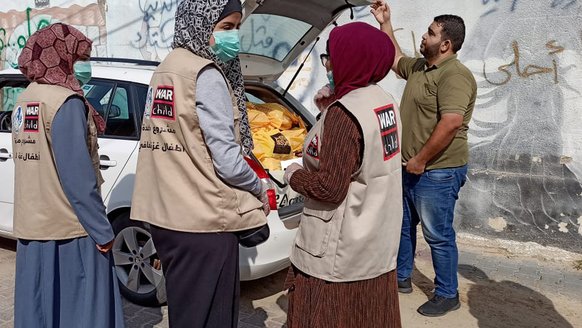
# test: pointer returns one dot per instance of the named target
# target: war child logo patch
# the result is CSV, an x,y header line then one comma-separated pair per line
x,y
31,118
313,147
388,131
163,106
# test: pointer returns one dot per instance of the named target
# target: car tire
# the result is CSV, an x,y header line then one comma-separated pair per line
x,y
137,265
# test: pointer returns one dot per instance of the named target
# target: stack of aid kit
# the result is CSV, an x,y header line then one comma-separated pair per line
x,y
278,134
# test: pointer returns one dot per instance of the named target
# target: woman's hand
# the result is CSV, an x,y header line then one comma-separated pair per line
x,y
264,198
106,247
290,170
323,98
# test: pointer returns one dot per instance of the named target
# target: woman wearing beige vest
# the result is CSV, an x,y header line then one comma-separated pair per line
x,y
193,185
344,257
64,270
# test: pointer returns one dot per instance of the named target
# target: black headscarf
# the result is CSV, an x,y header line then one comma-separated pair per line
x,y
232,6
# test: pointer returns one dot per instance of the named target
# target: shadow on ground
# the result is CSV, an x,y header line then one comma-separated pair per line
x,y
140,316
8,244
508,304
500,304
252,313
262,304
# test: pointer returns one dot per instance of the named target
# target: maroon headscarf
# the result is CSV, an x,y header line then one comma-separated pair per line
x,y
360,55
48,58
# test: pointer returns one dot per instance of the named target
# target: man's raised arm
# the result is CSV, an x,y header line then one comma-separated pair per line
x,y
381,12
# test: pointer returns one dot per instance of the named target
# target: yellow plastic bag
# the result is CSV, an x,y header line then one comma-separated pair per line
x,y
250,105
271,143
278,120
263,144
271,164
258,119
281,117
278,133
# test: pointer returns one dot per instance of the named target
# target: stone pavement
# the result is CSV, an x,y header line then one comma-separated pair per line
x,y
502,284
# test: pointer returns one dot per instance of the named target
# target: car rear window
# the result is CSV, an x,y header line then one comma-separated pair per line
x,y
271,35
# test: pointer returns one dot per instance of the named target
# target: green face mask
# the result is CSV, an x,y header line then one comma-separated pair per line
x,y
82,70
227,45
331,81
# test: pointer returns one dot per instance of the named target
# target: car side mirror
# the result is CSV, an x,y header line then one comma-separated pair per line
x,y
6,121
114,111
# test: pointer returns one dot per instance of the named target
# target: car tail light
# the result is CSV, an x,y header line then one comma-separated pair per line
x,y
272,197
264,176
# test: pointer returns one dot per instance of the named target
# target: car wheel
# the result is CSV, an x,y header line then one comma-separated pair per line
x,y
137,265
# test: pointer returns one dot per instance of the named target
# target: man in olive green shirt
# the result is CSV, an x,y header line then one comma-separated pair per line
x,y
436,108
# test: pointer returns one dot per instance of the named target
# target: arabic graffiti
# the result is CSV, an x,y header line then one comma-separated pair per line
x,y
263,36
154,39
259,37
529,69
524,150
563,4
513,4
493,5
525,144
17,26
11,45
156,33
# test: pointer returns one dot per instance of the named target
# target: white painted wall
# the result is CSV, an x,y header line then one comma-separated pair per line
x,y
526,136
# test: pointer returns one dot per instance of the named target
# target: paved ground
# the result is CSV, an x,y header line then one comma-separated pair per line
x,y
501,285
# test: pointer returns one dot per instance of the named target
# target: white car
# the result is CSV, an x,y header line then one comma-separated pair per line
x,y
118,91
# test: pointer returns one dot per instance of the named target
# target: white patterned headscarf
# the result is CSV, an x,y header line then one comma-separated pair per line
x,y
195,21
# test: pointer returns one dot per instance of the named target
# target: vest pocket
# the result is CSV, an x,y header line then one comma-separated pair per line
x,y
314,231
245,201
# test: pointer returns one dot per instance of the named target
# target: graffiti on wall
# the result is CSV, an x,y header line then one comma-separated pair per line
x,y
17,27
521,172
525,140
154,39
275,38
495,5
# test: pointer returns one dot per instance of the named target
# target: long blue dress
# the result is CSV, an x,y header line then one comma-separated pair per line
x,y
69,283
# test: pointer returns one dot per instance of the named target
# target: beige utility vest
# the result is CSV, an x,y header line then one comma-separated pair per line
x,y
358,239
176,186
41,208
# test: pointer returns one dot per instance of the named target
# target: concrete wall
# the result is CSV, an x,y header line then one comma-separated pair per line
x,y
525,138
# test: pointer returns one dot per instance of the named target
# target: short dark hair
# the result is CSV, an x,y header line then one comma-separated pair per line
x,y
453,29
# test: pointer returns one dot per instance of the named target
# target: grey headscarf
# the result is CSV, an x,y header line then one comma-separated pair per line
x,y
195,20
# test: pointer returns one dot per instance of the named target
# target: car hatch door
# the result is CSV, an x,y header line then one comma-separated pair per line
x,y
274,32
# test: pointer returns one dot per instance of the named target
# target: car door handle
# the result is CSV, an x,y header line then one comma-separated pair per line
x,y
105,162
5,155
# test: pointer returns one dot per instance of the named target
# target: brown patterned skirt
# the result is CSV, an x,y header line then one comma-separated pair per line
x,y
316,303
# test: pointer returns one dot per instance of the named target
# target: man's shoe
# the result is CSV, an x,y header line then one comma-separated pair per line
x,y
405,286
438,306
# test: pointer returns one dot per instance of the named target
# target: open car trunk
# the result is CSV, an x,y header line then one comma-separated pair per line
x,y
276,32
273,35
